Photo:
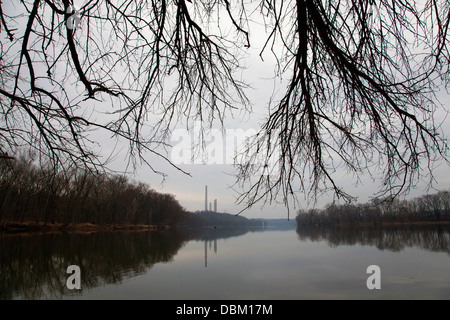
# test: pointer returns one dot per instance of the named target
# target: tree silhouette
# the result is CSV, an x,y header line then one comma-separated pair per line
x,y
152,59
360,95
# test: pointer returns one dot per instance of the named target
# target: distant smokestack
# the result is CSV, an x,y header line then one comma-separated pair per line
x,y
206,198
210,209
215,205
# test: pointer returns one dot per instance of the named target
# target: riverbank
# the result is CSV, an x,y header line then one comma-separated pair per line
x,y
40,227
190,219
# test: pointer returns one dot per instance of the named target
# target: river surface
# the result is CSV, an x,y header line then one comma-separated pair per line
x,y
232,264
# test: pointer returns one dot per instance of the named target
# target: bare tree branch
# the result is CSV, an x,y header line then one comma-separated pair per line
x,y
360,98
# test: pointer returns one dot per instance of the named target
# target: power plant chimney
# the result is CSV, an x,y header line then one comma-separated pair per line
x,y
206,198
215,205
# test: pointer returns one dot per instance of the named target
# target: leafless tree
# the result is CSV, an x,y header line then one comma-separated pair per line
x,y
360,98
360,94
156,61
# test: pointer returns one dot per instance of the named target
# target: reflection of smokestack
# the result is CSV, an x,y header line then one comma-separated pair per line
x,y
206,198
206,254
215,205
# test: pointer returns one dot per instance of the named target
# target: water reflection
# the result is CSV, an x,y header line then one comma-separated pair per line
x,y
206,249
395,238
34,266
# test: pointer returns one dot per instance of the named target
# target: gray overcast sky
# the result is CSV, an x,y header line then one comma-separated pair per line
x,y
189,190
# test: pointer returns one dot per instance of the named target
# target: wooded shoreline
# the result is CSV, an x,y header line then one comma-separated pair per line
x,y
36,197
430,209
383,224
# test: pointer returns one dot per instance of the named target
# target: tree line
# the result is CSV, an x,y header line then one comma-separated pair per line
x,y
29,192
426,208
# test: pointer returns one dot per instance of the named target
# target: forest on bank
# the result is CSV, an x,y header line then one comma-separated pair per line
x,y
429,208
29,192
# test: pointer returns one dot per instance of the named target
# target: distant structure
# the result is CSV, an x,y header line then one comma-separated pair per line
x,y
206,198
210,204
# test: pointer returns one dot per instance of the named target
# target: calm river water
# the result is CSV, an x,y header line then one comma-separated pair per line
x,y
229,264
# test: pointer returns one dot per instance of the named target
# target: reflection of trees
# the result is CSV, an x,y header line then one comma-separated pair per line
x,y
432,238
34,267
